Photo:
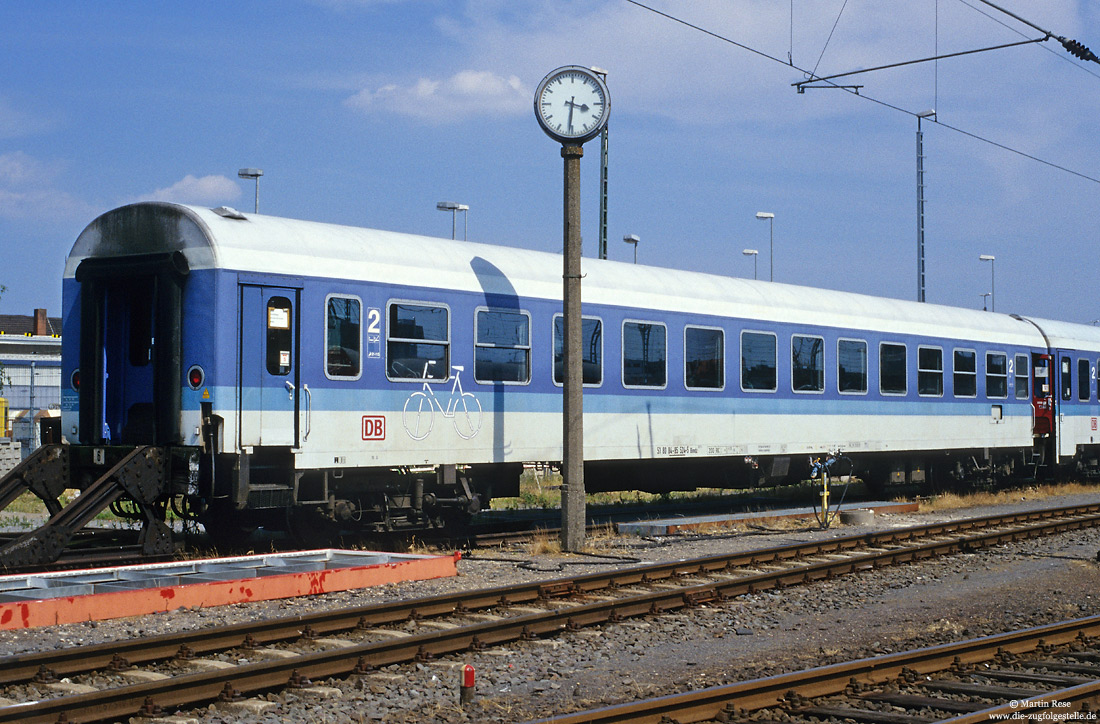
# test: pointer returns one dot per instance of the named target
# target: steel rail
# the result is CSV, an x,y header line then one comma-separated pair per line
x,y
24,667
707,704
195,688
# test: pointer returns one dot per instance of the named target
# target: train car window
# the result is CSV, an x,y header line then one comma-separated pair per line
x,y
930,371
807,363
279,336
965,376
591,350
1084,380
418,342
851,366
645,354
502,347
996,374
1021,374
891,369
704,358
1067,379
343,340
758,361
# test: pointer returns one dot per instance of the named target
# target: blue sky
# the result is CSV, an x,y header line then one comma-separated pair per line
x,y
368,112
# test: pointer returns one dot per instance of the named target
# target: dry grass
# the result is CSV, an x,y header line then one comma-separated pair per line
x,y
954,501
544,544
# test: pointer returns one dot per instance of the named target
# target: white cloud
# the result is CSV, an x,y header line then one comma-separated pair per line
x,y
27,191
18,169
15,123
208,190
466,94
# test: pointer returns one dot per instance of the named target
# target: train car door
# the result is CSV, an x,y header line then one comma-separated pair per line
x,y
268,396
1042,396
1064,391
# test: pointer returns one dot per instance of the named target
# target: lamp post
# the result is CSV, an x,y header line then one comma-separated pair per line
x,y
602,251
633,239
754,254
985,301
920,202
454,209
771,241
254,174
992,281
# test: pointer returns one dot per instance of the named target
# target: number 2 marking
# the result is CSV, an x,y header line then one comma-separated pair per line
x,y
374,317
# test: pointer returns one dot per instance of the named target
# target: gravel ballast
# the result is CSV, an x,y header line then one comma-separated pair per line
x,y
961,596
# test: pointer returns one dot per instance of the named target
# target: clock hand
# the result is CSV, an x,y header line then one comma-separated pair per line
x,y
571,105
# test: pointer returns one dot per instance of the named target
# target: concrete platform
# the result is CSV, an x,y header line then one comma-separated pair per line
x,y
46,599
670,526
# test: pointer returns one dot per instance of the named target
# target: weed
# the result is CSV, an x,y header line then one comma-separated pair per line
x,y
954,501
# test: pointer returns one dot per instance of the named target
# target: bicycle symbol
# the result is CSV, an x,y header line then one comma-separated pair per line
x,y
462,407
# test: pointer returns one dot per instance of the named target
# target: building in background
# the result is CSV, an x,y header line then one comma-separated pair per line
x,y
30,380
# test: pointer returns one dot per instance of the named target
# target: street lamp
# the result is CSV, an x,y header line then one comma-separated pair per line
x,y
992,281
920,202
985,301
771,241
603,177
753,253
633,239
454,209
254,174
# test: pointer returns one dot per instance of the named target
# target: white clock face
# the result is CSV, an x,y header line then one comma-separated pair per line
x,y
571,104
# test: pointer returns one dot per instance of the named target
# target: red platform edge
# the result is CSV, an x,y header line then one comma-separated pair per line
x,y
119,604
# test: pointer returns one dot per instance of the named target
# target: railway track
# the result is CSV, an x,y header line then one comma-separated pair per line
x,y
1046,672
188,669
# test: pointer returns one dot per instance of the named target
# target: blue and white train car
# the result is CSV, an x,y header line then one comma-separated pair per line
x,y
326,375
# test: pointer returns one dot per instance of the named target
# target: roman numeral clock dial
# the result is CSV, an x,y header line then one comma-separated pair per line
x,y
572,104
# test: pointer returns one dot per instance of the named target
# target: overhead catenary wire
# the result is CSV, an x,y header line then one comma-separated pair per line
x,y
885,104
1019,32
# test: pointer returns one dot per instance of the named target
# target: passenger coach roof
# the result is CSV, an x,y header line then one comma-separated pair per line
x,y
269,244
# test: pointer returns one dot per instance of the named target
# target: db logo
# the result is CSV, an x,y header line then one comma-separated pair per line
x,y
374,427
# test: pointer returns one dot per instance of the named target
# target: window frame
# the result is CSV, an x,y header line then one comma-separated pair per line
x,y
921,370
955,373
820,390
446,345
480,345
988,374
722,332
1065,365
866,366
553,326
268,329
622,354
741,360
1084,382
1025,376
359,300
905,367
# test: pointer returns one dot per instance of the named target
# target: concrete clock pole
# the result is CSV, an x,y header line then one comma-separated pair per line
x,y
572,105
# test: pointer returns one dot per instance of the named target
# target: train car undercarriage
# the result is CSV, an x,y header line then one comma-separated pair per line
x,y
232,495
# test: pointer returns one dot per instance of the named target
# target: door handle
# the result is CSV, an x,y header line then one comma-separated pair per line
x,y
289,389
309,411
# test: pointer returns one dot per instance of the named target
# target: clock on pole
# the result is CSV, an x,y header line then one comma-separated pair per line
x,y
572,104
